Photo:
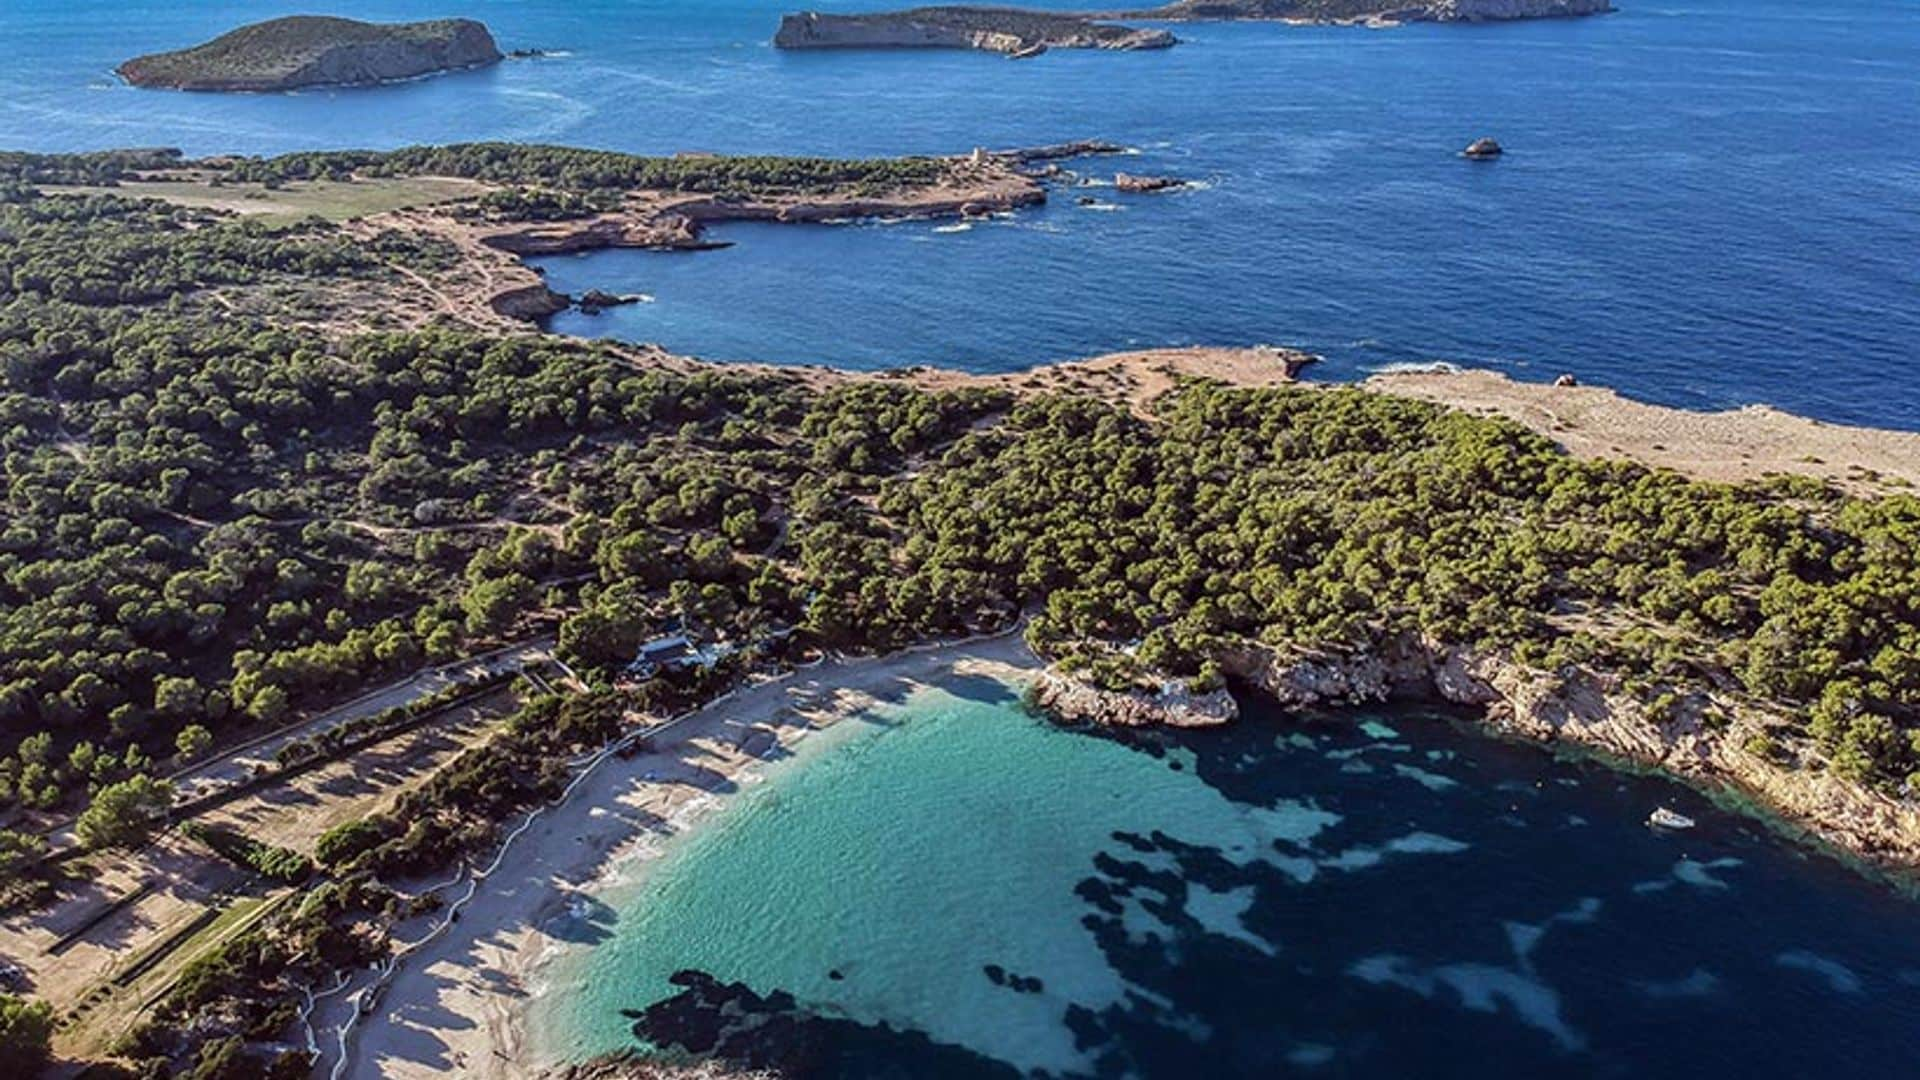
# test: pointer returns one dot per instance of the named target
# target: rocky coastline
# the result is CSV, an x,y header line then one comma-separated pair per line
x,y
979,184
1013,32
1172,704
1703,741
308,50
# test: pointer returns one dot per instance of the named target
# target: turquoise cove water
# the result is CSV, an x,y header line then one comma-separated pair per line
x,y
1706,203
951,888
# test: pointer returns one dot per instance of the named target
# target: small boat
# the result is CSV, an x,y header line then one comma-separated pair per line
x,y
1664,818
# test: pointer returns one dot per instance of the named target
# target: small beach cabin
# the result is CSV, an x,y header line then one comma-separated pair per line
x,y
672,653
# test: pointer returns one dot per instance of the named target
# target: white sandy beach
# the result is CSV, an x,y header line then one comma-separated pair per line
x,y
456,1005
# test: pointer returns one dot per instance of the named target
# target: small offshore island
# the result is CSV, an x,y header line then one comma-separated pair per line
x,y
281,437
315,50
1020,33
1016,32
1370,12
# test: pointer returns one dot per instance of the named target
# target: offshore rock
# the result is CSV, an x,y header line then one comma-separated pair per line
x,y
1130,182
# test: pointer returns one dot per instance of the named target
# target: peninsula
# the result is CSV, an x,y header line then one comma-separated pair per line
x,y
313,50
1016,32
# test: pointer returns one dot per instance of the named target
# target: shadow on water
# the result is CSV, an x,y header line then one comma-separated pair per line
x,y
712,1019
586,921
980,688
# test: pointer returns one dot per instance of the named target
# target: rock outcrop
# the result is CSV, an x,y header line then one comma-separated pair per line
x,y
530,303
594,301
1702,740
312,50
1133,183
1071,701
1014,32
665,232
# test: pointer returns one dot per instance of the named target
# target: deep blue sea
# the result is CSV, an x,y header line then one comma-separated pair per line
x,y
1706,203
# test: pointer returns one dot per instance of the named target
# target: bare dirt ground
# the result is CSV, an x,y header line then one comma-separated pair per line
x,y
1590,422
1136,378
335,200
1740,445
193,898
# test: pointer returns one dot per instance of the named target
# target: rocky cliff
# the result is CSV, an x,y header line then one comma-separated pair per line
x,y
311,50
1173,705
1703,740
1011,31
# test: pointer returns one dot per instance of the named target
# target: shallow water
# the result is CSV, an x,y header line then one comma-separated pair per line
x,y
953,888
1707,203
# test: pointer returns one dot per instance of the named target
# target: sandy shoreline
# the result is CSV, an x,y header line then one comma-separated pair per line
x,y
457,1004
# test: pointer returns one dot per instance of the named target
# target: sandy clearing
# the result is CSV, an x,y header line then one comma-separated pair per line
x,y
1733,446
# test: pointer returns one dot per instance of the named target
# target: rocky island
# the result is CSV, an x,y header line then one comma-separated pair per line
x,y
312,50
1021,32
1372,12
1015,32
